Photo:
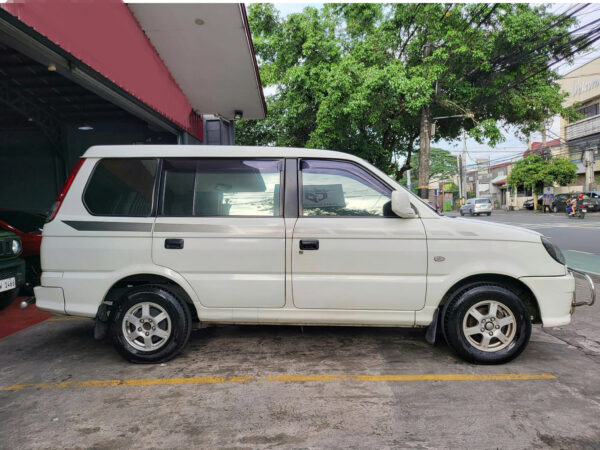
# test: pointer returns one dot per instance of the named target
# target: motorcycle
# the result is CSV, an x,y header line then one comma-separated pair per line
x,y
579,212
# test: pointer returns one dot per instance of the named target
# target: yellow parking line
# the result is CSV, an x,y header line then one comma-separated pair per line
x,y
131,382
283,378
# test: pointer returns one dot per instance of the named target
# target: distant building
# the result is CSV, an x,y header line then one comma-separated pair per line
x,y
498,186
581,138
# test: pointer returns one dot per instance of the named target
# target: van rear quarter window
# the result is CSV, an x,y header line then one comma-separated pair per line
x,y
221,187
121,187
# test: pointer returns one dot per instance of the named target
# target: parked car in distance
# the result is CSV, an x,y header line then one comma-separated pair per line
x,y
528,204
28,226
152,240
560,202
12,269
594,196
477,206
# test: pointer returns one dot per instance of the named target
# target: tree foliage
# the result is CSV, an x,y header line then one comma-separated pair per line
x,y
442,165
353,77
534,172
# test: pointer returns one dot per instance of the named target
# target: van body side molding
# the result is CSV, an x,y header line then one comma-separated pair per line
x,y
108,226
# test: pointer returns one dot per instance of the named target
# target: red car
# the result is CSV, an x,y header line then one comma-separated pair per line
x,y
29,228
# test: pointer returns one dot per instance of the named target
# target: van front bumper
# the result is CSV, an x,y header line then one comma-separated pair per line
x,y
554,297
590,285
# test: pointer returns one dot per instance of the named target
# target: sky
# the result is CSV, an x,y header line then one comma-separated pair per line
x,y
512,146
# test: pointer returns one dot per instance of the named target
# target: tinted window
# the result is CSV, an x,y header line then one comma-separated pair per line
x,y
121,187
23,221
221,187
482,200
334,188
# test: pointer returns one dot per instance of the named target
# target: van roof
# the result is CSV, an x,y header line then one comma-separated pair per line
x,y
215,151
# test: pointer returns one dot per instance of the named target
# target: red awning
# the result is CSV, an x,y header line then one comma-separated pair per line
x,y
159,54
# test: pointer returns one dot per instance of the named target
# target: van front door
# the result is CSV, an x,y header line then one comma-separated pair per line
x,y
349,250
219,225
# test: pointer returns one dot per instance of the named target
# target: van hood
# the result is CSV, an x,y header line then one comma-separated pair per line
x,y
448,227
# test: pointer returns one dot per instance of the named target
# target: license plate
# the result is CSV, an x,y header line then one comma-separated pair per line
x,y
584,210
7,284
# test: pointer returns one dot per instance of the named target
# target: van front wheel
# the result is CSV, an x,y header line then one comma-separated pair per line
x,y
150,325
487,324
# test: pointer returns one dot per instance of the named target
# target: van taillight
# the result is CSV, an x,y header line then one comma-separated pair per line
x,y
63,193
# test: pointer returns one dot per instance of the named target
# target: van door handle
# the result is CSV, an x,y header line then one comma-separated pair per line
x,y
309,245
174,243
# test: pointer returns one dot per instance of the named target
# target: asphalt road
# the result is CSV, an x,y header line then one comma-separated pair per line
x,y
578,239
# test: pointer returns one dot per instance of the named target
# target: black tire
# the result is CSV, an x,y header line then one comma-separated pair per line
x,y
555,209
178,314
462,213
454,316
7,297
471,213
489,214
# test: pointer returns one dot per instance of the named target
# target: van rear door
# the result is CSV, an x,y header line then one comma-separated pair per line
x,y
220,226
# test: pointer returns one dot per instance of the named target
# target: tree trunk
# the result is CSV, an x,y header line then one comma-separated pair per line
x,y
424,143
398,173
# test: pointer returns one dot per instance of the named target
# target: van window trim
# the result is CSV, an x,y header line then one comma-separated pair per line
x,y
161,197
347,161
154,187
291,198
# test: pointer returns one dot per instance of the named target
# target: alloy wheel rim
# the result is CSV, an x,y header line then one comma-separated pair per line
x,y
146,326
489,326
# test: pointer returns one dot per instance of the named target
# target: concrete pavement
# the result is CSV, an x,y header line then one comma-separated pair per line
x,y
292,387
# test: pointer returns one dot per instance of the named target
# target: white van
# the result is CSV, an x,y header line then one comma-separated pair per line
x,y
153,240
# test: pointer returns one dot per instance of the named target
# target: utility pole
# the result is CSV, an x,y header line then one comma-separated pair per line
x,y
544,137
460,177
545,151
589,162
463,161
425,139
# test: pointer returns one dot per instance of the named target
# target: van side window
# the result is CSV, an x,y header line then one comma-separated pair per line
x,y
221,187
121,187
336,188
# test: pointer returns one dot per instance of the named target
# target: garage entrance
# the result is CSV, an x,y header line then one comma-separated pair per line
x,y
46,122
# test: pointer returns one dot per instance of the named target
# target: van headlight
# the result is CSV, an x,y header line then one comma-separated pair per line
x,y
16,247
554,251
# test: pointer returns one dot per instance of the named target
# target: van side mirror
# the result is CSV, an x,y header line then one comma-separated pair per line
x,y
401,204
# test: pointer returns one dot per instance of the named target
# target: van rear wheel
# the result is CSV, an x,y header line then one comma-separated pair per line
x,y
487,324
150,325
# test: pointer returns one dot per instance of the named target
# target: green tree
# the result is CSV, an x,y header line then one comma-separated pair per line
x,y
442,164
369,79
534,172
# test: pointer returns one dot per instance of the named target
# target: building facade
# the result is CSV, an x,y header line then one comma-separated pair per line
x,y
581,138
